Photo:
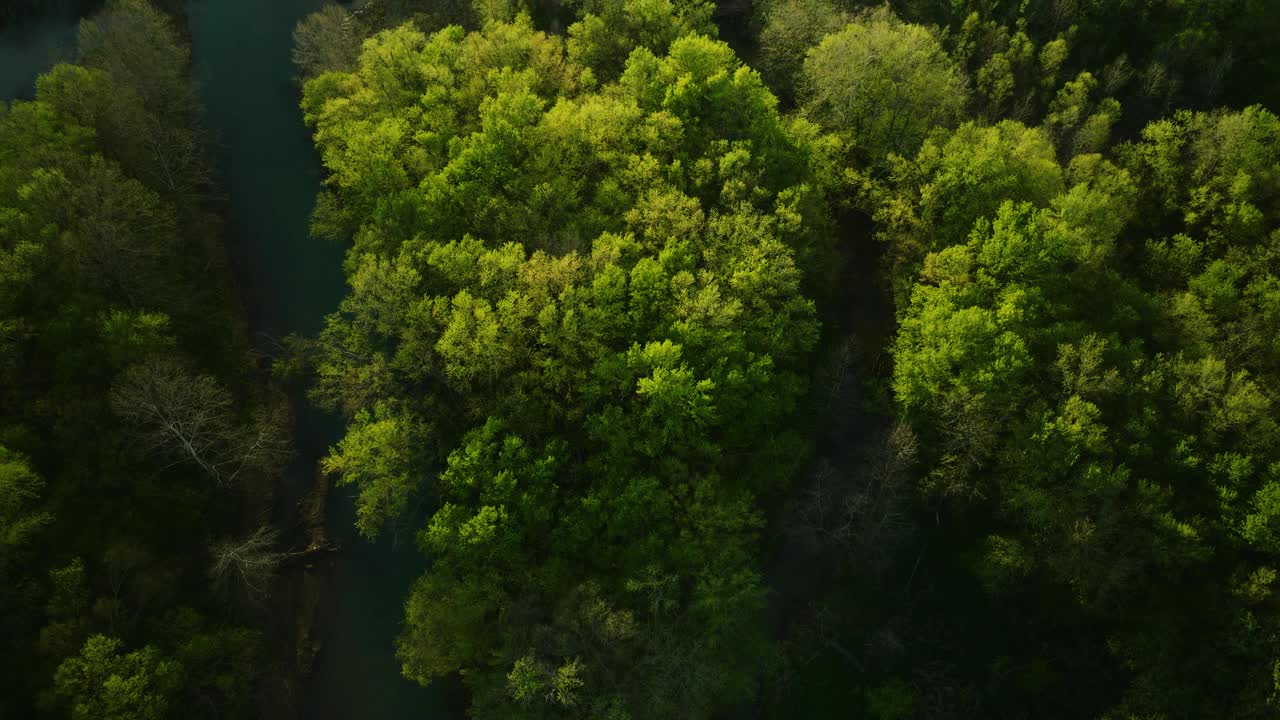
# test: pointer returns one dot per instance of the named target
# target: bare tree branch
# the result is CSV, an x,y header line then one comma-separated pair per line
x,y
250,562
191,418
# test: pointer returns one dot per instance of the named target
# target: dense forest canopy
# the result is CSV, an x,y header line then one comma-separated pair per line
x,y
586,278
804,358
593,292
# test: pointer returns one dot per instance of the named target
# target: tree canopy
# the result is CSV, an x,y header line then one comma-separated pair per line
x,y
1121,433
580,305
586,275
885,82
929,372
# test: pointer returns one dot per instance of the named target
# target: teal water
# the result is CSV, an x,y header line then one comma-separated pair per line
x,y
290,281
29,48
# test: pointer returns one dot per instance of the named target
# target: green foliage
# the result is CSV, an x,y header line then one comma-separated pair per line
x,y
20,490
377,455
583,304
579,320
788,30
883,82
136,44
1146,456
611,29
957,179
102,683
1015,76
209,666
1151,57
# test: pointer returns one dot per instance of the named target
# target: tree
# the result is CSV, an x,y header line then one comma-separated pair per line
x,y
191,418
23,522
883,82
221,664
115,234
575,312
104,683
20,490
1093,430
1081,125
864,519
164,153
328,39
611,29
137,45
789,29
109,261
1155,57
932,202
250,562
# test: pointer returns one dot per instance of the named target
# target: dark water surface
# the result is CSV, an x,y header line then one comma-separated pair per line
x,y
269,170
31,47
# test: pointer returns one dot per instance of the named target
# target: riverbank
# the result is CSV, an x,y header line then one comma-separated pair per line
x,y
138,322
267,179
338,612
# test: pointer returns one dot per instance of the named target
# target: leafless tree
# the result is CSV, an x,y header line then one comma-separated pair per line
x,y
876,510
176,161
969,430
1116,75
816,514
863,514
264,444
249,562
1216,72
327,40
192,419
1063,12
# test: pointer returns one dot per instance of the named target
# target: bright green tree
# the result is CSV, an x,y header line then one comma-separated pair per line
x,y
104,683
884,83
582,308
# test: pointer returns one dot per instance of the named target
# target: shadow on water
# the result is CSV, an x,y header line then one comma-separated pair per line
x,y
290,281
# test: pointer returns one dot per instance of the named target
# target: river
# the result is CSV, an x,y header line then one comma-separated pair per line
x,y
270,173
290,281
31,47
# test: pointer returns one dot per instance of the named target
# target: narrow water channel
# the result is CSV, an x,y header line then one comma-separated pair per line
x,y
269,170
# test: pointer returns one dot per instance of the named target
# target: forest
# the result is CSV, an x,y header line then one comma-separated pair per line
x,y
906,360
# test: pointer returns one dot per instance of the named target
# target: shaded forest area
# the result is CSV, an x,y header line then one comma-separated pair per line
x,y
138,443
788,360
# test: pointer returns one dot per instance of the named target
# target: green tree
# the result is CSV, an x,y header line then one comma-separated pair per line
x,y
20,490
932,201
883,82
1121,446
137,45
581,307
611,29
104,683
789,29
109,260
